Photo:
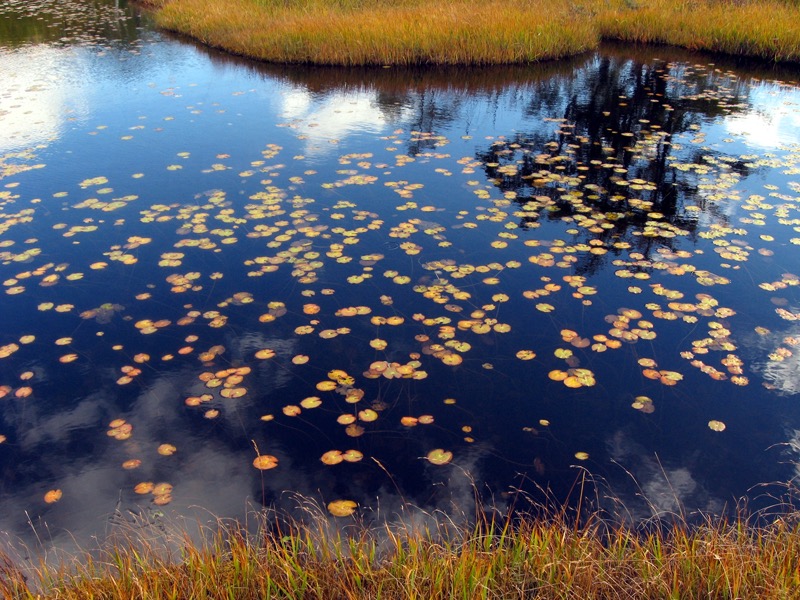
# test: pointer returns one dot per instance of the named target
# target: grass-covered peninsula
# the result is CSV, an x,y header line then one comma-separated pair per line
x,y
412,32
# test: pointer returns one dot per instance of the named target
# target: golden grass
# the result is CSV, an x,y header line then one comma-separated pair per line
x,y
768,29
413,32
398,33
546,558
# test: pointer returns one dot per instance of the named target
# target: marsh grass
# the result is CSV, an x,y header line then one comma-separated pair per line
x,y
352,32
769,29
550,554
414,32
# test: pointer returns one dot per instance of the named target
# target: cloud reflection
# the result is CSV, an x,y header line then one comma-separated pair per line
x,y
773,123
331,118
653,488
33,106
782,372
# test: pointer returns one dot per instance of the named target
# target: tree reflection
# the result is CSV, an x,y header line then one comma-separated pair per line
x,y
606,157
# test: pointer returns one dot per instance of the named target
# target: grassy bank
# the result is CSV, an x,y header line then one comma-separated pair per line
x,y
765,29
538,558
406,32
353,32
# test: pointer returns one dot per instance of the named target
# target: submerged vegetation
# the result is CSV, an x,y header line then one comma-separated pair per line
x,y
406,32
544,557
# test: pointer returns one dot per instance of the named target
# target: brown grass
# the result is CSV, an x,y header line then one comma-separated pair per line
x,y
544,557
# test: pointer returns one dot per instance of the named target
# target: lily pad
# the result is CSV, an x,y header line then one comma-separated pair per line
x,y
439,456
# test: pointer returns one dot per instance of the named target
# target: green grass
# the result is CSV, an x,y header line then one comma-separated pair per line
x,y
544,557
413,32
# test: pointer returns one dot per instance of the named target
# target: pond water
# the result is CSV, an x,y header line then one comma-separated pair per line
x,y
401,288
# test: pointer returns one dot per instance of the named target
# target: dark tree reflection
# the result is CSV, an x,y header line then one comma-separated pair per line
x,y
605,157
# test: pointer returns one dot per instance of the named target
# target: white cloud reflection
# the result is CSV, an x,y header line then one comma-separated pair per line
x,y
34,104
774,121
781,372
324,121
654,488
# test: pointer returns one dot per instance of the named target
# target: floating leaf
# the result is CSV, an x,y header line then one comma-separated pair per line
x,y
167,449
342,508
378,344
145,487
310,402
52,496
332,457
291,410
23,392
264,462
354,430
367,415
452,359
438,456
352,455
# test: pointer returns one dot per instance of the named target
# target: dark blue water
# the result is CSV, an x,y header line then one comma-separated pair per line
x,y
527,252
